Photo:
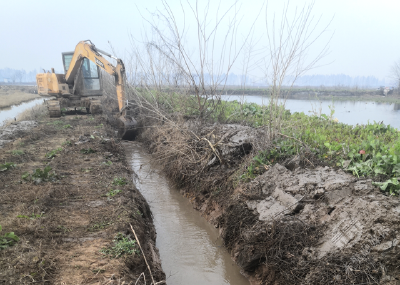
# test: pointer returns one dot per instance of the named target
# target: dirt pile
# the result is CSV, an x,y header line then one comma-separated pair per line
x,y
66,191
291,225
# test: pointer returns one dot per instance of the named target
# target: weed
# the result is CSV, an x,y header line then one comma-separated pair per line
x,y
99,126
120,181
121,245
87,151
6,166
40,175
99,226
63,229
112,192
53,153
68,126
31,216
56,122
108,163
17,152
8,239
67,143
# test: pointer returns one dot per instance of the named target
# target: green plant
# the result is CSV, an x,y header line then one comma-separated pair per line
x,y
6,166
108,163
121,245
17,152
120,181
8,239
99,126
68,126
87,151
53,153
68,143
99,226
112,192
40,175
31,216
56,122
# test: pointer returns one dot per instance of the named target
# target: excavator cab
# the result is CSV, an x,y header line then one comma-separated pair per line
x,y
88,81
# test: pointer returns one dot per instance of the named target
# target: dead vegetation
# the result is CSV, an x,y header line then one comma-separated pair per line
x,y
14,95
66,222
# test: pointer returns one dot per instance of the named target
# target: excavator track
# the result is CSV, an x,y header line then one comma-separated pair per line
x,y
54,108
95,107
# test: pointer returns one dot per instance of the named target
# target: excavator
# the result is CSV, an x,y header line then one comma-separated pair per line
x,y
81,85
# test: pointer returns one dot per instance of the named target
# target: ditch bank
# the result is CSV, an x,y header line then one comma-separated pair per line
x,y
66,192
297,222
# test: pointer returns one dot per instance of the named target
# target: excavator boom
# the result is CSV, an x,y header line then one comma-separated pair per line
x,y
51,84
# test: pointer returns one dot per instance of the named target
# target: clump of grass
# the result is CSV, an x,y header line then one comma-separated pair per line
x,y
68,126
113,192
8,239
17,152
121,245
119,181
67,143
31,216
56,123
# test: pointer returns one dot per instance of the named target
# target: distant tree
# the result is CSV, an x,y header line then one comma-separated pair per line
x,y
395,74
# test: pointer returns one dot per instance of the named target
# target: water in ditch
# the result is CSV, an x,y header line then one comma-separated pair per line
x,y
190,249
13,111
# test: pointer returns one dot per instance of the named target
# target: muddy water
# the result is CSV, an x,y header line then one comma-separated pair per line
x,y
348,112
13,111
190,250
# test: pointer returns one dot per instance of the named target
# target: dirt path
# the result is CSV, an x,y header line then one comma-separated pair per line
x,y
66,191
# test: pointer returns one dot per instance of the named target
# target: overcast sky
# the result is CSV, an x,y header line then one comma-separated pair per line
x,y
33,34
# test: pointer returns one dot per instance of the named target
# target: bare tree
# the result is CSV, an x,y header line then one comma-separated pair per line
x,y
199,66
395,74
287,53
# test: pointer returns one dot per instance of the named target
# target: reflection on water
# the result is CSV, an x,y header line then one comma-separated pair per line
x,y
348,112
190,250
10,113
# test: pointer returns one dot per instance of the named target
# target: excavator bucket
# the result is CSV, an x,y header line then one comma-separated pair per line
x,y
127,128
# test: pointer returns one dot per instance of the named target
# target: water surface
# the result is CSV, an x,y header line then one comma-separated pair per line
x,y
190,250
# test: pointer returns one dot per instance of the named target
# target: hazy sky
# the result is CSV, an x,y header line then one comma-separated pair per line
x,y
33,34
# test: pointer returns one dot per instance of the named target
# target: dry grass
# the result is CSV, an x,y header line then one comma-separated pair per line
x,y
9,97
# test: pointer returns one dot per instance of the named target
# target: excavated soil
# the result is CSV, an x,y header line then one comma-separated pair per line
x,y
296,222
64,222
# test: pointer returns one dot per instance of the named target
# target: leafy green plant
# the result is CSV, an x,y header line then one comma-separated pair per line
x,y
6,166
121,245
87,151
8,239
17,152
112,192
53,153
39,175
120,181
108,163
68,126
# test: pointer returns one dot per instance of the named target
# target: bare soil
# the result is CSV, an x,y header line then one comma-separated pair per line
x,y
64,223
14,95
298,222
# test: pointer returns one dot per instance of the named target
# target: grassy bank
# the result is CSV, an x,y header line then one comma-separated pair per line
x,y
371,150
14,95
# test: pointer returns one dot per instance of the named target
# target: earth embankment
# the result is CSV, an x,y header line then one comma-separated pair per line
x,y
297,222
66,192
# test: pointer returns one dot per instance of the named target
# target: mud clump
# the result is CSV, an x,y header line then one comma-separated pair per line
x,y
70,199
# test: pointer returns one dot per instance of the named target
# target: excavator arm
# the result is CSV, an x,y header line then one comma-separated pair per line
x,y
89,51
85,49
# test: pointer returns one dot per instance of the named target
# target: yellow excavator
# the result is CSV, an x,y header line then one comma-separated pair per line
x,y
81,85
